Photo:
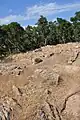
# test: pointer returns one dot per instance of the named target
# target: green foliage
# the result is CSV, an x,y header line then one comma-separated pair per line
x,y
14,39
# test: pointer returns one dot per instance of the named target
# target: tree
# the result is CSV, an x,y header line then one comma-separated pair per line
x,y
76,26
43,29
3,47
52,37
64,30
14,36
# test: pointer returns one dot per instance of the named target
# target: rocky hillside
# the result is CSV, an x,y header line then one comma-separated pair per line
x,y
41,85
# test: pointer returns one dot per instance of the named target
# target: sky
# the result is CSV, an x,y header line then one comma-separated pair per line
x,y
27,12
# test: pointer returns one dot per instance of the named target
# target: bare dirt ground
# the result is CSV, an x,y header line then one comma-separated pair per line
x,y
41,85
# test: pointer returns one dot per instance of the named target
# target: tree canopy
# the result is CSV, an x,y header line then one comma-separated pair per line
x,y
14,38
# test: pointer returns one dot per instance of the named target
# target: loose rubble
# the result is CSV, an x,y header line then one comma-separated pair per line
x,y
43,84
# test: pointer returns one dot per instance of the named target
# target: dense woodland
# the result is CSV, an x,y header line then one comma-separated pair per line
x,y
15,39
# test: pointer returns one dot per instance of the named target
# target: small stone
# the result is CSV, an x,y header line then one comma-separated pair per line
x,y
19,72
48,92
19,67
0,73
51,54
70,62
76,47
43,55
37,60
16,90
25,66
38,50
